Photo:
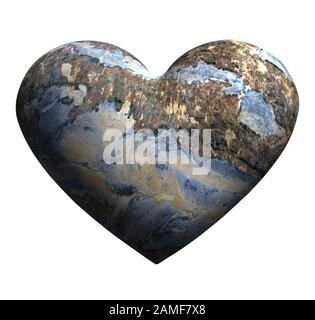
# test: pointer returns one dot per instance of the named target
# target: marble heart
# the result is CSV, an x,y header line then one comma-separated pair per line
x,y
74,94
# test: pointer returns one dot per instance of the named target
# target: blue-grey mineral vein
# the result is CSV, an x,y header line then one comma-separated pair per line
x,y
74,93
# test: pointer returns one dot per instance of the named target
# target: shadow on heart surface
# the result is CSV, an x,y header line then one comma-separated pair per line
x,y
110,135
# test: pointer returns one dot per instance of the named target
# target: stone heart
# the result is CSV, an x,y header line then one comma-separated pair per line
x,y
91,113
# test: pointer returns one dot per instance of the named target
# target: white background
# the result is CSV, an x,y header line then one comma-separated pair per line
x,y
263,248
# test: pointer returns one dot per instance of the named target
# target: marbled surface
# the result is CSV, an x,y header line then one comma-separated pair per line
x,y
71,95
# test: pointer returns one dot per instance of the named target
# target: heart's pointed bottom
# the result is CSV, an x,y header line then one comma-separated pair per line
x,y
77,96
157,256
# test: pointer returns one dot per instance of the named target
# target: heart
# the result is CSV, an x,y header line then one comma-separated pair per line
x,y
157,161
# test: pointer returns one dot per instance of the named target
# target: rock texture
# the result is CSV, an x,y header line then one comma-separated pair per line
x,y
71,95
